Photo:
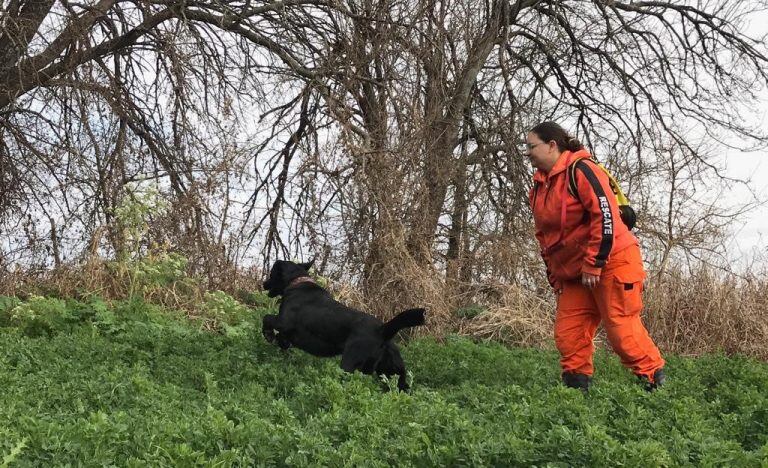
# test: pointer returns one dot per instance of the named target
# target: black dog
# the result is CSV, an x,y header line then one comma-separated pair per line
x,y
311,320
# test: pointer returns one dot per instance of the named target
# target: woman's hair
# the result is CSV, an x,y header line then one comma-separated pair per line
x,y
550,131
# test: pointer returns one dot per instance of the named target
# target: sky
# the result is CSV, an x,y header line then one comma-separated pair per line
x,y
750,233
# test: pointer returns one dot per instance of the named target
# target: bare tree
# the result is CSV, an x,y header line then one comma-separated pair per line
x,y
382,132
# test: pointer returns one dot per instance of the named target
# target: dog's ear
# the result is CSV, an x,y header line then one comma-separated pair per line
x,y
406,319
308,265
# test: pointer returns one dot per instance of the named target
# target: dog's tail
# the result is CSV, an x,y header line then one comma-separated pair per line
x,y
405,319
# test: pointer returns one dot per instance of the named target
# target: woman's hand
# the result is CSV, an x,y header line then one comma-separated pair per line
x,y
589,281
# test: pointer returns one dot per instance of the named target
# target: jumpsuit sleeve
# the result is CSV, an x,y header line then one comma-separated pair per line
x,y
600,204
556,285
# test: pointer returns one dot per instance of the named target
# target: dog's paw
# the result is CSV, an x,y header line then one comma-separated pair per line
x,y
270,336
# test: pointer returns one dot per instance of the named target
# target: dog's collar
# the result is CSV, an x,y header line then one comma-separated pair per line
x,y
297,281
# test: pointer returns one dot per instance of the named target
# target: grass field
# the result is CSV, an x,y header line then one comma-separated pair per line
x,y
129,384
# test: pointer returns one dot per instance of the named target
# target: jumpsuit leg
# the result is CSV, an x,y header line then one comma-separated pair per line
x,y
576,322
619,300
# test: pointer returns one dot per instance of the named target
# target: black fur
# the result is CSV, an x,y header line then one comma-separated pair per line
x,y
311,320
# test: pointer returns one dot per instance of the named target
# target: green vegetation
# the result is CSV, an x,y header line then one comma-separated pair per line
x,y
127,383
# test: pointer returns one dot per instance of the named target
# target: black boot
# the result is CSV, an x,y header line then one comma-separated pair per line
x,y
658,380
576,380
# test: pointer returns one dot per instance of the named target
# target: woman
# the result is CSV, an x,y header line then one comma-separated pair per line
x,y
593,260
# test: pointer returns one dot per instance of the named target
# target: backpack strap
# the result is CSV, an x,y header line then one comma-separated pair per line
x,y
615,187
627,213
573,189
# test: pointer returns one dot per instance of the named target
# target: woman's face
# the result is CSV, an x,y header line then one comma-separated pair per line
x,y
542,155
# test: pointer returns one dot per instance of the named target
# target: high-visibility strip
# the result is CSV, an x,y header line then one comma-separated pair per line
x,y
606,220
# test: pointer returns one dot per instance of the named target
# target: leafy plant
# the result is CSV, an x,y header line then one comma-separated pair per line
x,y
130,383
225,313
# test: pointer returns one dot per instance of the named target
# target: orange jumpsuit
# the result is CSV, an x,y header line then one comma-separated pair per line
x,y
586,235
